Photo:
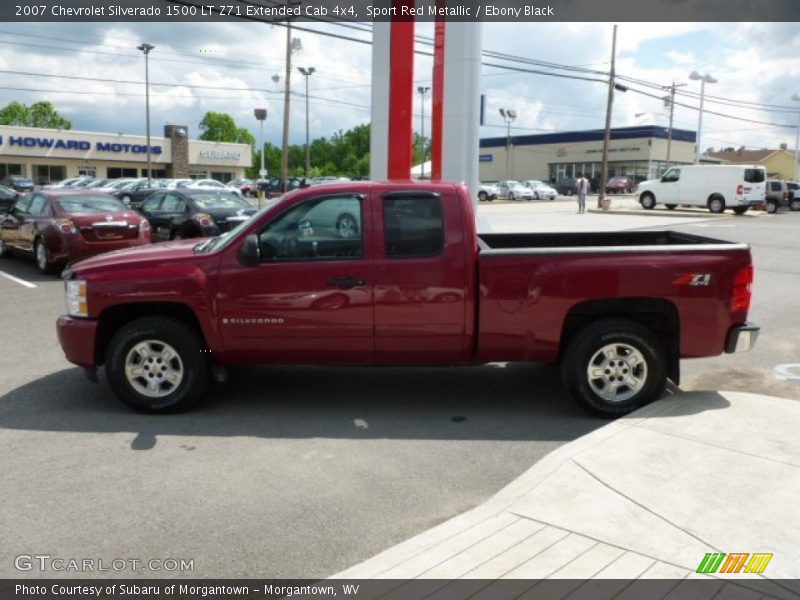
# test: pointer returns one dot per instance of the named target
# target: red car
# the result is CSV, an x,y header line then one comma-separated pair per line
x,y
59,226
619,185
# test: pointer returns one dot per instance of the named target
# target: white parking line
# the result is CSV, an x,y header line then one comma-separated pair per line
x,y
27,284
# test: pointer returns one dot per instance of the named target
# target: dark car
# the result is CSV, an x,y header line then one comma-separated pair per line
x,y
793,194
187,213
134,193
565,187
619,185
60,226
274,187
8,197
18,183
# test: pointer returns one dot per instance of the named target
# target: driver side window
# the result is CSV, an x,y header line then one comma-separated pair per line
x,y
328,228
671,176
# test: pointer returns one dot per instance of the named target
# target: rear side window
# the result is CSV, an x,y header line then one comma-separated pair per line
x,y
754,175
413,227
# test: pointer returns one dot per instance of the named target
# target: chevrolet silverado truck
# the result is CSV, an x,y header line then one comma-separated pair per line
x,y
395,274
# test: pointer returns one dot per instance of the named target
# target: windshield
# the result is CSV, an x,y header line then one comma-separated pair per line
x,y
88,205
213,199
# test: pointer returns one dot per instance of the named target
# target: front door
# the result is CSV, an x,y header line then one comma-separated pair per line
x,y
310,298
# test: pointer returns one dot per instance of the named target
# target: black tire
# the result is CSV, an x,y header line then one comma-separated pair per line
x,y
772,207
483,196
347,226
5,251
628,336
795,205
740,210
42,256
647,200
716,204
536,196
671,206
511,196
188,346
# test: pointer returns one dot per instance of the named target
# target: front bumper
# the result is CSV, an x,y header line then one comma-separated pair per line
x,y
742,338
77,339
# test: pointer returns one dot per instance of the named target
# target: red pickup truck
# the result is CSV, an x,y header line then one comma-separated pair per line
x,y
395,273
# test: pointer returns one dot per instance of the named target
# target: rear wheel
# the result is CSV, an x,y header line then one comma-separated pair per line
x,y
795,205
772,207
614,366
740,210
671,206
648,201
483,196
511,196
155,364
716,204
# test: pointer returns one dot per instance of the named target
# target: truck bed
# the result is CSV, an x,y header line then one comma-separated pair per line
x,y
611,241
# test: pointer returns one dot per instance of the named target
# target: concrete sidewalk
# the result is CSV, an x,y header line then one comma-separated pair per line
x,y
646,496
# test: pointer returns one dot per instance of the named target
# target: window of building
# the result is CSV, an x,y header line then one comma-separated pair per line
x,y
156,173
117,172
10,169
223,177
44,174
413,227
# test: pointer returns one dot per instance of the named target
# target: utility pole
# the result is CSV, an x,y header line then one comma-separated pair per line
x,y
146,48
422,90
607,137
671,115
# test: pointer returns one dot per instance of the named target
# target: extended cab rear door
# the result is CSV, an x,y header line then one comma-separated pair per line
x,y
310,298
421,278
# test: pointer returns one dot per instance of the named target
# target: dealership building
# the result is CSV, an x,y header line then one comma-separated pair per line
x,y
638,152
48,155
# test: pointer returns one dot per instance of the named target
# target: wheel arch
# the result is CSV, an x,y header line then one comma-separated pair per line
x,y
658,315
112,319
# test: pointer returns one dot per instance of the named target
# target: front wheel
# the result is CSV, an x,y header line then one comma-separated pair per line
x,y
648,201
614,366
671,206
740,210
155,364
482,196
511,196
795,205
772,207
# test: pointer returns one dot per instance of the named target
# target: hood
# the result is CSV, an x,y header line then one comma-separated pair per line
x,y
140,256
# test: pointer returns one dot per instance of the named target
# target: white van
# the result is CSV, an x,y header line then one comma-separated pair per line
x,y
717,187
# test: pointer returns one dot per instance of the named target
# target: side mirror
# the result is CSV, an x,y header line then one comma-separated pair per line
x,y
249,253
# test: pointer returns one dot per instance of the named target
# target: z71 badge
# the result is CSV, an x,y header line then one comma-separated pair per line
x,y
693,279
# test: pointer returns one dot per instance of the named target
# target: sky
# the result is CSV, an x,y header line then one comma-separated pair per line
x,y
753,63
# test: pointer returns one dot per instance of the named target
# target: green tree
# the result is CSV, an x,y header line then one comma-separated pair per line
x,y
220,127
38,114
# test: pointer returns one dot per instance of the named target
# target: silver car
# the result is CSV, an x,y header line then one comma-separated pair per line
x,y
541,191
514,190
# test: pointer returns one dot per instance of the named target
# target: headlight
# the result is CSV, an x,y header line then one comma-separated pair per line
x,y
77,306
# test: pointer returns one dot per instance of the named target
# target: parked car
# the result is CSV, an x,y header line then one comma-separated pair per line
x,y
717,187
541,191
190,213
487,192
565,187
617,309
58,226
18,183
8,197
274,187
794,194
513,190
134,192
619,185
246,186
777,195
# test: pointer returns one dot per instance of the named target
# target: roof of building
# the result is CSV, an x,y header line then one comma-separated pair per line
x,y
592,135
742,157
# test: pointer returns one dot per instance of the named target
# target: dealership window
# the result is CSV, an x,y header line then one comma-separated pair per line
x,y
10,169
223,177
116,172
44,174
156,173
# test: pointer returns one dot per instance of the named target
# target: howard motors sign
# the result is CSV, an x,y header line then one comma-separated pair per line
x,y
80,145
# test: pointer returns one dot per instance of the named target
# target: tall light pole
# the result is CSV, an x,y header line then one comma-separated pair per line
x,y
510,116
307,73
704,79
261,115
796,98
146,49
422,90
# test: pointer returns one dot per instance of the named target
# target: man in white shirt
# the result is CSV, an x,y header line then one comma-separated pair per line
x,y
581,189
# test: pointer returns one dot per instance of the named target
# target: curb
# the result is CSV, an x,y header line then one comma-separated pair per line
x,y
673,213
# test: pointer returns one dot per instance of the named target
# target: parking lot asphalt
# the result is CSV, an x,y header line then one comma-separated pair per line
x,y
302,472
